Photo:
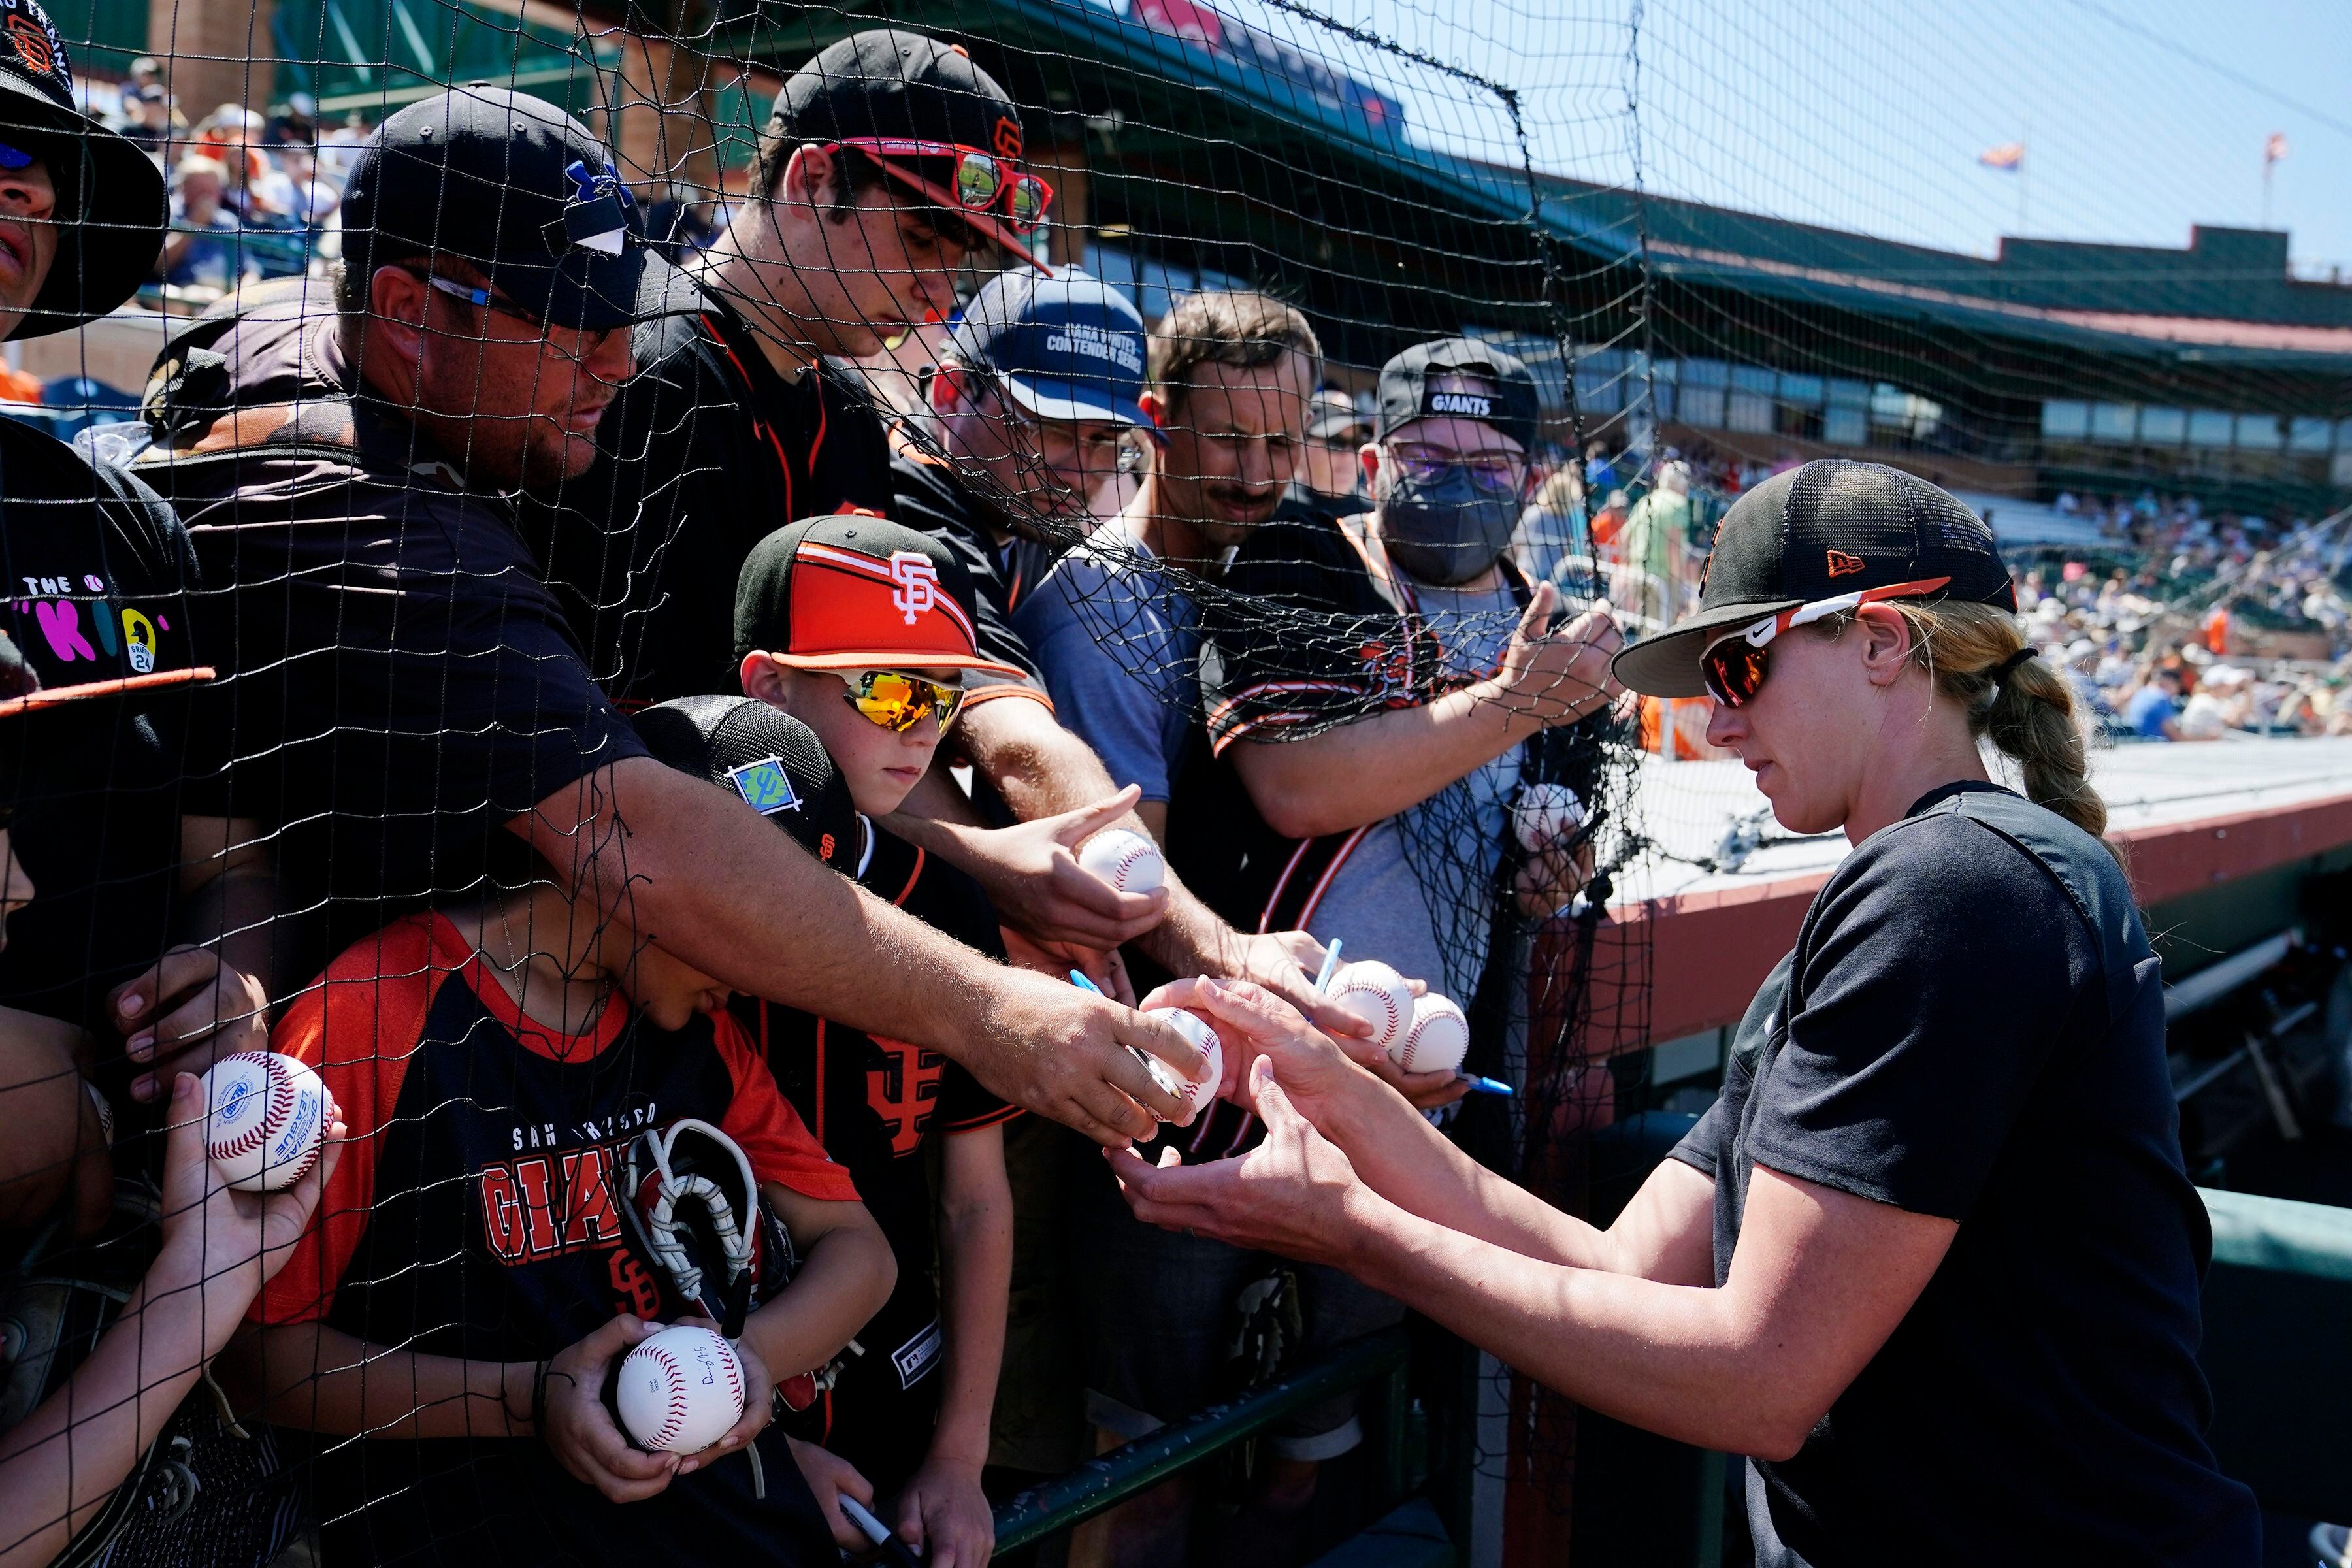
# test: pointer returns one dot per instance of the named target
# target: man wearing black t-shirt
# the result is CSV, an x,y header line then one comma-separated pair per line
x,y
405,685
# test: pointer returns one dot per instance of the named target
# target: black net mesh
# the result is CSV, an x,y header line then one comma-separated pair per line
x,y
446,525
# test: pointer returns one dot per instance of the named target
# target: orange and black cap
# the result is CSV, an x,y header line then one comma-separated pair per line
x,y
1814,533
856,591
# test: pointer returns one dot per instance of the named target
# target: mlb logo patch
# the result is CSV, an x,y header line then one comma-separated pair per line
x,y
765,786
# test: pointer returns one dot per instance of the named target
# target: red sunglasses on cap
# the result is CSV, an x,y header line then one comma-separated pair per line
x,y
1733,664
984,182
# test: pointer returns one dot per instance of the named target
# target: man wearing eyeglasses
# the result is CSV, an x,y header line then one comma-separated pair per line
x,y
405,684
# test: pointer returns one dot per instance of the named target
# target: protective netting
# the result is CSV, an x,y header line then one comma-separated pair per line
x,y
1717,246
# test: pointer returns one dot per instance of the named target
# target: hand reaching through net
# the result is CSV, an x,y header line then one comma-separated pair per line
x,y
1560,675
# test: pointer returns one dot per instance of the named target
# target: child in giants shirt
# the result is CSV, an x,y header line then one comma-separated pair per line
x,y
453,1312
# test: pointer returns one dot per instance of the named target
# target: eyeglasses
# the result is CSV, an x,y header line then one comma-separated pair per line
x,y
898,702
1733,664
570,343
982,180
1498,473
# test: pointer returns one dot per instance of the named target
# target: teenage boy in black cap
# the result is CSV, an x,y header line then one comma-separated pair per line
x,y
98,573
890,161
407,686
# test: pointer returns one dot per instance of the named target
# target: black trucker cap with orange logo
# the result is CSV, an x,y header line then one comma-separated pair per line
x,y
892,85
856,591
1830,528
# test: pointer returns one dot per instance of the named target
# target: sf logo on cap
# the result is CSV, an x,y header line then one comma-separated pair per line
x,y
918,584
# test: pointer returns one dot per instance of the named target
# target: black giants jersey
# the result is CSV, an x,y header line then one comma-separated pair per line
x,y
475,1215
874,1104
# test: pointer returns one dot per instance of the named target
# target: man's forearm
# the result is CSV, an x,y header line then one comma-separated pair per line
x,y
1041,770
719,886
1371,769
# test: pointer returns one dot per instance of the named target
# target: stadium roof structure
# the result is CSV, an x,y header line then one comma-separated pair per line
x,y
1158,109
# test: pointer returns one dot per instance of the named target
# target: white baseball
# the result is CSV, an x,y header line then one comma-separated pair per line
x,y
264,1117
1546,814
1437,1038
1375,993
680,1390
1189,1025
1127,860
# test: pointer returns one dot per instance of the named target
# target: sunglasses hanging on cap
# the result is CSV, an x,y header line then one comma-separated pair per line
x,y
982,180
898,702
1733,664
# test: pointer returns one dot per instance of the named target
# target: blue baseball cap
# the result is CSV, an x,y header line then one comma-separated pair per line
x,y
1068,347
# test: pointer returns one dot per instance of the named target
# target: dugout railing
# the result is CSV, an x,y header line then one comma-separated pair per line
x,y
1380,1361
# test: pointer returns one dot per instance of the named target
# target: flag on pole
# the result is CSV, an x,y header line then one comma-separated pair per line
x,y
2274,148
2008,157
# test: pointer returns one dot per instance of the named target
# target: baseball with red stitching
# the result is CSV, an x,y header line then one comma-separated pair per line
x,y
1437,1038
1189,1025
1125,859
1375,993
680,1390
265,1115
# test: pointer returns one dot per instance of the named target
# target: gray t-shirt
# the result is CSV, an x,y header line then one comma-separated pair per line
x,y
1117,649
1416,891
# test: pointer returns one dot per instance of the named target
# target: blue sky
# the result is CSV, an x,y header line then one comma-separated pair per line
x,y
2141,117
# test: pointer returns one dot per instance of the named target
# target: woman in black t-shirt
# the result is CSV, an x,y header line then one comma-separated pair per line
x,y
1933,1259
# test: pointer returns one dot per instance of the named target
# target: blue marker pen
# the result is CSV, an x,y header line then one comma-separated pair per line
x,y
1487,1085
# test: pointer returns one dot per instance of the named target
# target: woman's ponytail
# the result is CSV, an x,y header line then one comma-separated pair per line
x,y
2024,705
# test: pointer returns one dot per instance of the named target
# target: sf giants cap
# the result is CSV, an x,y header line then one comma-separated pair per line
x,y
888,82
1064,348
773,760
859,592
1830,528
1410,390
512,184
111,206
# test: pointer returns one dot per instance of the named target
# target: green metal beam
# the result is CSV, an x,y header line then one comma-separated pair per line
x,y
1107,1481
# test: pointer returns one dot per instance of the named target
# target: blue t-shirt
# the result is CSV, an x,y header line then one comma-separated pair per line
x,y
1117,649
2150,708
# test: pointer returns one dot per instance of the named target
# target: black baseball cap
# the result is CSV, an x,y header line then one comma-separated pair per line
x,y
1408,391
512,184
112,206
771,759
894,85
856,591
1830,528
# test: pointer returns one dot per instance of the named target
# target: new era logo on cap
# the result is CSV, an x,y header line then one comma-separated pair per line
x,y
1844,565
